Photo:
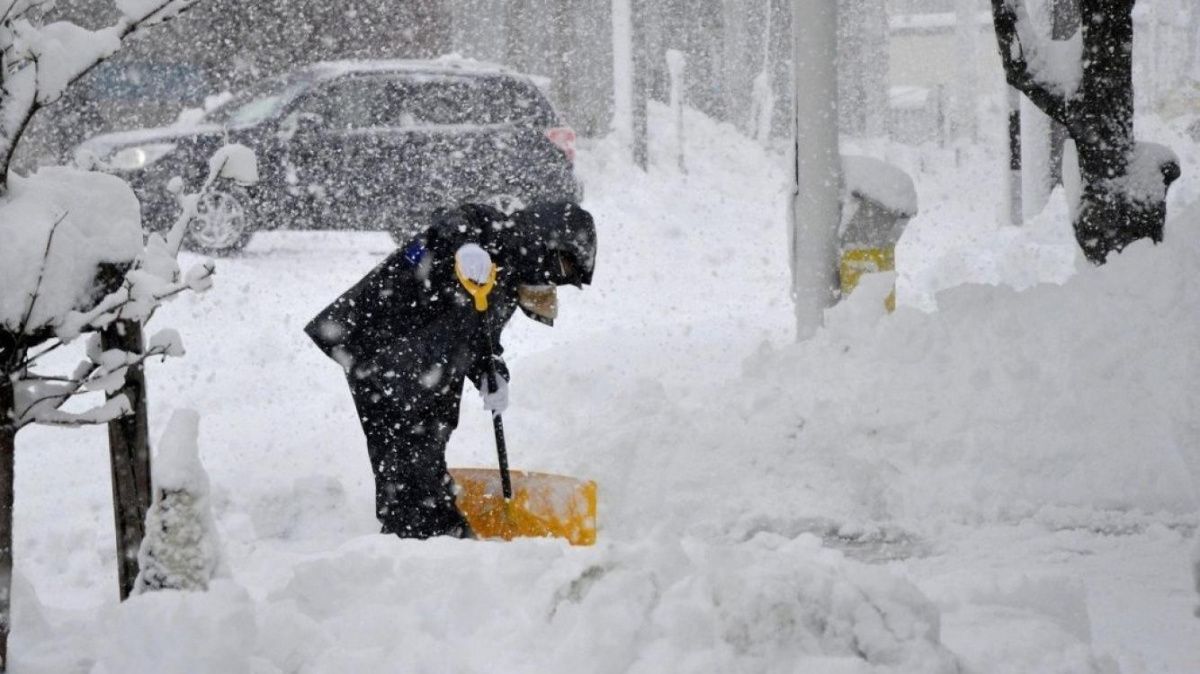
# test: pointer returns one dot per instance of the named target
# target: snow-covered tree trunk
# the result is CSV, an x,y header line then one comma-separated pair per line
x,y
180,550
1088,87
816,208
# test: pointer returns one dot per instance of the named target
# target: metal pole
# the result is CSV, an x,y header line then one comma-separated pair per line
x,y
1065,24
1016,216
816,207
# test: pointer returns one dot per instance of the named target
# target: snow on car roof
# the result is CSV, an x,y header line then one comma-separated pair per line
x,y
447,65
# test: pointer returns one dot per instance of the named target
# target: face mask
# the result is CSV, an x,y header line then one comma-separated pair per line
x,y
539,302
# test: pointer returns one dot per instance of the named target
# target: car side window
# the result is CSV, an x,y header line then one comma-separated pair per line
x,y
353,103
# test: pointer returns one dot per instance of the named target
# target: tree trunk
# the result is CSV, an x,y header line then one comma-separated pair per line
x,y
129,449
8,432
1099,117
1103,111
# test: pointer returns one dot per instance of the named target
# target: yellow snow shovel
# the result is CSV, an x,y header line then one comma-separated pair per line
x,y
516,504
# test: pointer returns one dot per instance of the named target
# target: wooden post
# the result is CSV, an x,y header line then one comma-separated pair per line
x,y
129,449
8,432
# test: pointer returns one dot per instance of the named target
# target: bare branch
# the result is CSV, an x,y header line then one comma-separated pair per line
x,y
23,326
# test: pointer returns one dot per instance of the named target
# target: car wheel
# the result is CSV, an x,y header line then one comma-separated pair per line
x,y
222,223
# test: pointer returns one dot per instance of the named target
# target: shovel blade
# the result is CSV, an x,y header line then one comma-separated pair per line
x,y
542,506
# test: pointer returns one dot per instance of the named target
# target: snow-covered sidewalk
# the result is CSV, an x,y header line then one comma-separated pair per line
x,y
1008,483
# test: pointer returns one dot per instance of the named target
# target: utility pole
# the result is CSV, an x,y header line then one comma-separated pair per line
x,y
816,206
629,78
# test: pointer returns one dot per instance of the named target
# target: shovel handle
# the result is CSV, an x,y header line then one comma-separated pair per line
x,y
498,427
497,422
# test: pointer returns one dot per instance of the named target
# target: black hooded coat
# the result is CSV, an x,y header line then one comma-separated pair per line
x,y
407,335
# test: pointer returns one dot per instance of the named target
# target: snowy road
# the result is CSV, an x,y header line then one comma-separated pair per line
x,y
1036,488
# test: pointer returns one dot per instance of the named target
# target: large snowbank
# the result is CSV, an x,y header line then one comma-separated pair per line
x,y
381,604
92,217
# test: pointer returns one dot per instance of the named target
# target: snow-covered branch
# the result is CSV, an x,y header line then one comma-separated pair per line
x,y
39,62
39,399
1046,71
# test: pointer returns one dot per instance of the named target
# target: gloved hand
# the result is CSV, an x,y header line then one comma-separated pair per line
x,y
474,262
494,401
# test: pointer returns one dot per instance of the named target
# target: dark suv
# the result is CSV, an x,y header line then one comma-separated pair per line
x,y
374,145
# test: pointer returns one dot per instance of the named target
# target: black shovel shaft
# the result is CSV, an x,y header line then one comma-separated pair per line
x,y
501,449
497,423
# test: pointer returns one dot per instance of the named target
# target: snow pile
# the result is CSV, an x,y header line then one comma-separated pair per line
x,y
87,218
1017,623
1002,402
176,633
886,185
234,162
378,603
180,550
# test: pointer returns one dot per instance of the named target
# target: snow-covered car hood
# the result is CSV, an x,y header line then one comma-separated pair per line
x,y
105,144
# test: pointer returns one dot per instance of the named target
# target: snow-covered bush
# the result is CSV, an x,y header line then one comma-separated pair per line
x,y
66,235
180,550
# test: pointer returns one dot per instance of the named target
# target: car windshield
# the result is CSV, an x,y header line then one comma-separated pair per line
x,y
258,103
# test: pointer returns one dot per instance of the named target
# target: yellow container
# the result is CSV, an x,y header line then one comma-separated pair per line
x,y
859,261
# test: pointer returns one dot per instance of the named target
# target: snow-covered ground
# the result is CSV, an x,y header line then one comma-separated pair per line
x,y
1008,483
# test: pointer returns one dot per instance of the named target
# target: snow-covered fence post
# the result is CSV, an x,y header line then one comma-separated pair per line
x,y
677,67
816,207
180,550
129,452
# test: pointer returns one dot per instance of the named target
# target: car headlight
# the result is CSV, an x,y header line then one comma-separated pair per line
x,y
138,157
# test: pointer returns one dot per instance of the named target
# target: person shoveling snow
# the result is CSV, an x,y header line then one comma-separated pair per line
x,y
428,317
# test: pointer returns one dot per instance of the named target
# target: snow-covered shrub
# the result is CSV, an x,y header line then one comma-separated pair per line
x,y
180,550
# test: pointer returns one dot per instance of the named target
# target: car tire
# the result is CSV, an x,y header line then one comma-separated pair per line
x,y
222,224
